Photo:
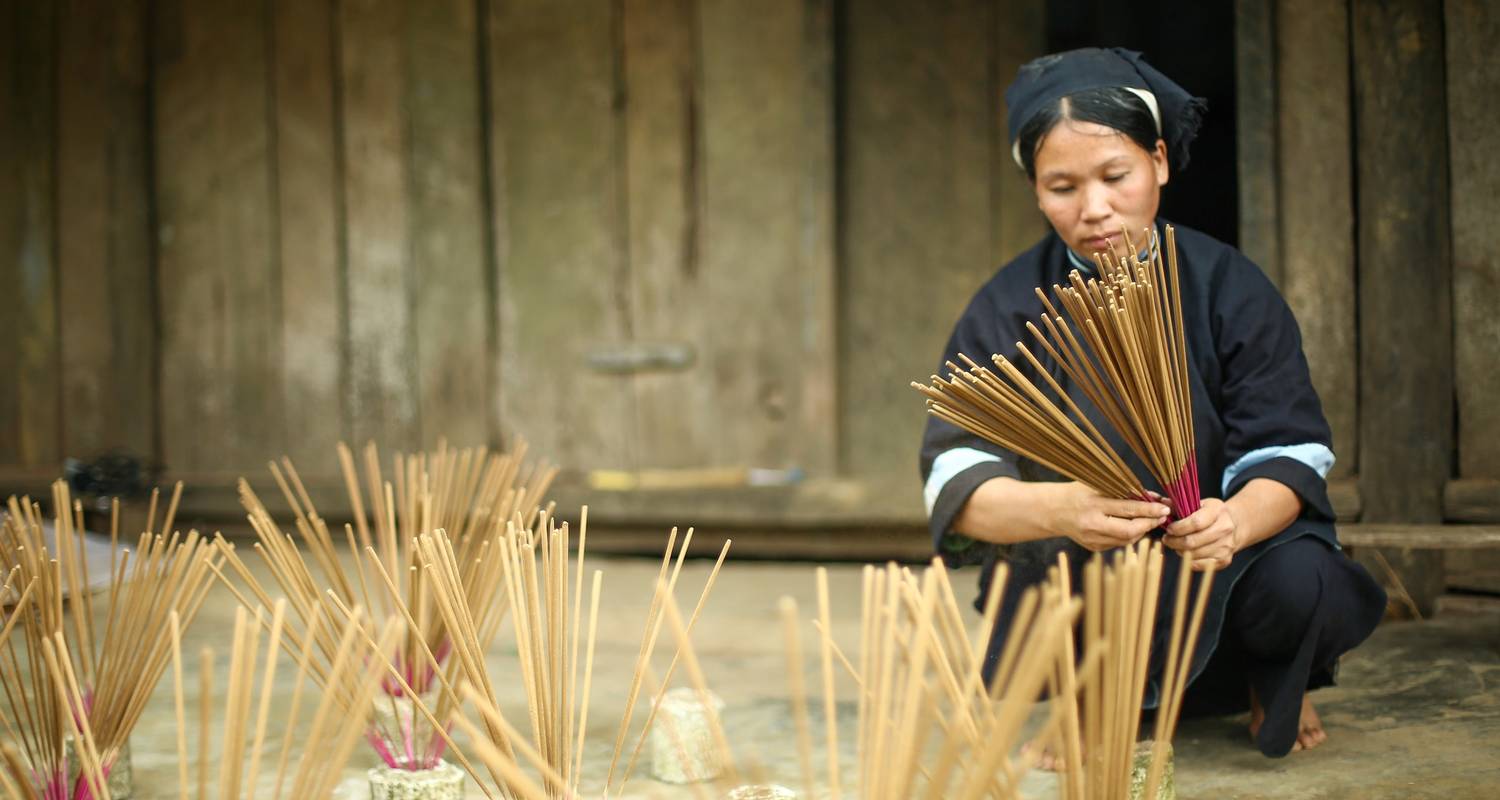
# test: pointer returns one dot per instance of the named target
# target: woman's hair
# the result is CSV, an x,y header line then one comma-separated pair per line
x,y
1111,107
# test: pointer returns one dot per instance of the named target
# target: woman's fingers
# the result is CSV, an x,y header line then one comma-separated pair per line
x,y
1133,509
1193,523
1205,564
1128,531
1211,512
1194,541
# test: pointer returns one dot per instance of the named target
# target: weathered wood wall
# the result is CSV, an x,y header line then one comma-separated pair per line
x,y
648,233
1473,73
660,233
931,204
1385,258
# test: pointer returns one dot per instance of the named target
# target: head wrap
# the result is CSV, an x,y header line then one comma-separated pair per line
x,y
1043,81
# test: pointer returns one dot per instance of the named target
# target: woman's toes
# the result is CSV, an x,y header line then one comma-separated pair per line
x,y
1308,739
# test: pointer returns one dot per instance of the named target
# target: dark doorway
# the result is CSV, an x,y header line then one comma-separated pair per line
x,y
1193,43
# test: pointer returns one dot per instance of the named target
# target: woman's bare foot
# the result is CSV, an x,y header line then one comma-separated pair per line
x,y
1310,731
1047,758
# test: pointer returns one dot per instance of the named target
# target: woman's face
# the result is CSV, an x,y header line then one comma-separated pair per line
x,y
1092,180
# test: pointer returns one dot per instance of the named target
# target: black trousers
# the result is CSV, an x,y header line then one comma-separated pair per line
x,y
1290,616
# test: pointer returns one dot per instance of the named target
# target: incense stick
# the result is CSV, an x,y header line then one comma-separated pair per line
x,y
796,689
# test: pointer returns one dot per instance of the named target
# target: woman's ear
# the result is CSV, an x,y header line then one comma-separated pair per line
x,y
1159,161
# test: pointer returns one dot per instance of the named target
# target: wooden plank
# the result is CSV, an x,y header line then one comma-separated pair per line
x,y
1472,500
307,223
1473,571
446,206
916,148
29,425
1020,34
1404,274
1255,104
106,281
1473,73
686,147
831,503
382,399
1315,206
1422,537
766,241
905,545
560,251
1343,493
816,443
220,313
662,120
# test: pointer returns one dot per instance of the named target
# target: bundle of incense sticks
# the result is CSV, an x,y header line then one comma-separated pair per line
x,y
664,609
473,492
928,725
547,624
1125,349
321,750
1097,738
40,690
111,668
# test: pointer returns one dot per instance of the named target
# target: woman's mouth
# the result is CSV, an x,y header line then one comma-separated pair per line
x,y
1097,243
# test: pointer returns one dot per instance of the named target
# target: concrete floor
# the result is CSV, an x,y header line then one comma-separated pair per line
x,y
1417,713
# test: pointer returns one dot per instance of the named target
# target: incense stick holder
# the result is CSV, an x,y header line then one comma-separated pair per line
x,y
1140,769
765,791
443,782
119,779
397,715
682,743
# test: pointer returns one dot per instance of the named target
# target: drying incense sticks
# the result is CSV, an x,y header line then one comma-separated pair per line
x,y
322,749
472,493
537,567
928,727
108,670
1122,343
34,715
1097,751
1120,596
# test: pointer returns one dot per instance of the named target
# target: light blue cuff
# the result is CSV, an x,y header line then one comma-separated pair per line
x,y
948,464
1317,457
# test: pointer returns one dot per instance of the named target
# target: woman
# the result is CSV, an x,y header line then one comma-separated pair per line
x,y
1099,133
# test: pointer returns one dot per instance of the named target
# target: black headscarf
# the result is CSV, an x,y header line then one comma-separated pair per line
x,y
1043,81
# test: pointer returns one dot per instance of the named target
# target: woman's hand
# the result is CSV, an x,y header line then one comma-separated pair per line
x,y
1097,522
1209,535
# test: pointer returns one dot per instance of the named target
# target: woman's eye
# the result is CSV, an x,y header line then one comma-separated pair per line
x,y
1114,178
1061,189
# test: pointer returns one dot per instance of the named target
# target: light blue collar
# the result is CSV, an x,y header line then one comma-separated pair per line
x,y
1086,266
1079,262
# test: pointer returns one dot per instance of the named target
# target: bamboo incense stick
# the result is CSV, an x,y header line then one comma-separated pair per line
x,y
660,694
830,699
797,691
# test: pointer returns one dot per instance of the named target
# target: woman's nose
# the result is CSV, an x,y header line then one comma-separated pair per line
x,y
1096,206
